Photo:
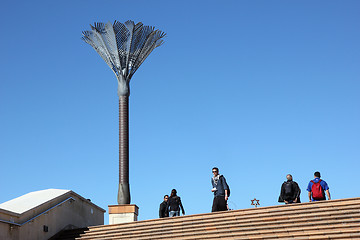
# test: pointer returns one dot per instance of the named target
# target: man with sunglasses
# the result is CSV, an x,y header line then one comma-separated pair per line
x,y
163,211
221,191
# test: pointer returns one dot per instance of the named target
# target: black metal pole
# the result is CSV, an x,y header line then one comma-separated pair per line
x,y
124,187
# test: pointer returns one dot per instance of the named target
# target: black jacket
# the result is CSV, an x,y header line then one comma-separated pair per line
x,y
289,191
163,211
174,203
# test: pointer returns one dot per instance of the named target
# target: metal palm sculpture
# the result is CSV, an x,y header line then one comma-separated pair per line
x,y
124,47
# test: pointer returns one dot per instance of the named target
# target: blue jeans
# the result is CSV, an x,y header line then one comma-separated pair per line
x,y
174,213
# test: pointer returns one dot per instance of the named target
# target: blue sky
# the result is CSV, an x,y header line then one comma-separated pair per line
x,y
257,88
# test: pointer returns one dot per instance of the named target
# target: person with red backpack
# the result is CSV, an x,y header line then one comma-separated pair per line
x,y
317,189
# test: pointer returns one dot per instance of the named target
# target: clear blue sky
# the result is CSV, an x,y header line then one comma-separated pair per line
x,y
257,88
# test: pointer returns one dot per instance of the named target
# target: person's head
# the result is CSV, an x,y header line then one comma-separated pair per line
x,y
173,193
289,177
215,171
166,198
317,174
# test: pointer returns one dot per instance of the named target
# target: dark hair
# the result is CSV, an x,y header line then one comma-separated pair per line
x,y
173,193
166,195
317,174
215,169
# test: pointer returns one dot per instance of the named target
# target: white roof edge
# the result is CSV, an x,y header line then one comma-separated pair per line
x,y
9,213
32,200
91,203
29,201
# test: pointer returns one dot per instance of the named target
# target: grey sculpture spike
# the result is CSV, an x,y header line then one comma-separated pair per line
x,y
124,47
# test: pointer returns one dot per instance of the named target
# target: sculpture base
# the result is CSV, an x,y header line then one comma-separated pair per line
x,y
123,213
124,193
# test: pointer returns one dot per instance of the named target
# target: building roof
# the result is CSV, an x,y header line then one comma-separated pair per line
x,y
31,200
334,219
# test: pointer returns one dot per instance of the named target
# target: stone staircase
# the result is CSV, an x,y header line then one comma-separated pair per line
x,y
69,234
335,219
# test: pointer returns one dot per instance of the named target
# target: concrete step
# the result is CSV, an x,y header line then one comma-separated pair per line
x,y
70,234
306,221
235,231
339,219
261,219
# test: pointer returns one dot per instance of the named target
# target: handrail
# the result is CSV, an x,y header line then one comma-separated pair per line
x,y
31,219
12,223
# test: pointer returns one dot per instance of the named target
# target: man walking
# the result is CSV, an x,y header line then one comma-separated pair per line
x,y
290,191
317,189
163,211
221,191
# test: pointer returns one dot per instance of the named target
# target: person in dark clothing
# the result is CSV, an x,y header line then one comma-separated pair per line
x,y
163,211
174,204
220,190
290,191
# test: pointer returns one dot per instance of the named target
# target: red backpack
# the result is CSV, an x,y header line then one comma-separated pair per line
x,y
317,191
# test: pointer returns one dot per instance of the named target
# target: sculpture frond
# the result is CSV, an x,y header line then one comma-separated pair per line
x,y
111,44
123,46
95,41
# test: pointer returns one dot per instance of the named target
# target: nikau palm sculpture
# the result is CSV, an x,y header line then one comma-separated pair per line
x,y
124,47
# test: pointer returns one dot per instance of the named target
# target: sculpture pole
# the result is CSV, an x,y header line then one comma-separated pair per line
x,y
124,187
124,47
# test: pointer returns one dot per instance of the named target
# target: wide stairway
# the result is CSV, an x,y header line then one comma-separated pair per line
x,y
335,219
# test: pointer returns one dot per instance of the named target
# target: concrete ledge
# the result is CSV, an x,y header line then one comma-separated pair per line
x,y
123,213
333,219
